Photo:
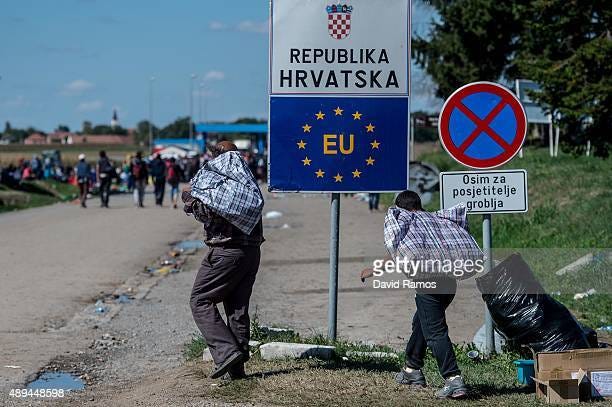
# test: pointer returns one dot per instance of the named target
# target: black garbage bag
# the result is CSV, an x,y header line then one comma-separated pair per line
x,y
524,313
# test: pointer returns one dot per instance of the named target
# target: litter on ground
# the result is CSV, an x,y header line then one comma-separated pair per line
x,y
189,245
273,215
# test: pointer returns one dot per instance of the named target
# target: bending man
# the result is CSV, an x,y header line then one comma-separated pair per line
x,y
412,233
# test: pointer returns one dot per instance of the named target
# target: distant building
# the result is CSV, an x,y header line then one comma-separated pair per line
x,y
35,139
115,120
61,137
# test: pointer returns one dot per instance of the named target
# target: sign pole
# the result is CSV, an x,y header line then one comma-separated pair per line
x,y
411,138
334,245
486,245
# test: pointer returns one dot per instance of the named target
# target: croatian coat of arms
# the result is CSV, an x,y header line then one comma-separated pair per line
x,y
339,20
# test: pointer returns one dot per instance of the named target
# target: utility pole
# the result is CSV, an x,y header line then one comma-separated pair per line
x,y
151,80
191,78
200,101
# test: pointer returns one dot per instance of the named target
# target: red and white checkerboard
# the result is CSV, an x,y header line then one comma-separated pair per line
x,y
339,25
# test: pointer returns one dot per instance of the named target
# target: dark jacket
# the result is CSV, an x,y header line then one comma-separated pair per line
x,y
158,168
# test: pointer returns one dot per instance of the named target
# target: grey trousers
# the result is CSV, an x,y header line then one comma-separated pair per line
x,y
226,276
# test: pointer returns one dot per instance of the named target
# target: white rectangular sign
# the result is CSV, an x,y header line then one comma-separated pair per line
x,y
485,191
347,48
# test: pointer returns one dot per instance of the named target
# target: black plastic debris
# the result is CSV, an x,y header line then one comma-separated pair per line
x,y
525,314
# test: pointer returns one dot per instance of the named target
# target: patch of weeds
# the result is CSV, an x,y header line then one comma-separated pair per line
x,y
195,348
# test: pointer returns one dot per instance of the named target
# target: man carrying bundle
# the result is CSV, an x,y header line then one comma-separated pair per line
x,y
225,197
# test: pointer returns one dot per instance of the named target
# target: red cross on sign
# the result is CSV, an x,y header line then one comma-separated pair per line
x,y
482,125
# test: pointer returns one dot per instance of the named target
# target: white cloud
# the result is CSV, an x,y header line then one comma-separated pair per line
x,y
77,87
249,26
253,26
16,102
205,93
214,76
216,26
90,106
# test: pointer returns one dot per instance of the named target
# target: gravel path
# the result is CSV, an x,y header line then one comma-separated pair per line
x,y
136,357
57,259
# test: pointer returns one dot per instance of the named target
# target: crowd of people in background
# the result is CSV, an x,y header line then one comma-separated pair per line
x,y
36,168
132,176
102,176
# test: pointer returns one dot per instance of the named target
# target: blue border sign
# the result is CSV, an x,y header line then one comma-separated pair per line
x,y
339,96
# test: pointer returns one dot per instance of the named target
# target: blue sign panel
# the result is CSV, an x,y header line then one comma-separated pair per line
x,y
338,144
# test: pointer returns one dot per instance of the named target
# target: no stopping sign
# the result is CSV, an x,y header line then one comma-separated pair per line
x,y
482,125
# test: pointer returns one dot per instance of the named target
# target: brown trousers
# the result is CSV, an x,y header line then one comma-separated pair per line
x,y
226,276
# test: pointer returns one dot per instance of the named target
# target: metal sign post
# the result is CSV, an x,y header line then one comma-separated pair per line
x,y
487,243
334,246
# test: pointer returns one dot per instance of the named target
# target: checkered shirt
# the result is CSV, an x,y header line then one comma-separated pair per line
x,y
423,235
227,187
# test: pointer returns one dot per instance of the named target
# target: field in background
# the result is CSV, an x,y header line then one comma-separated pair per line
x,y
36,193
11,154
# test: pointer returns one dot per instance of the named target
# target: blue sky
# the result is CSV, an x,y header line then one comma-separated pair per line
x,y
66,61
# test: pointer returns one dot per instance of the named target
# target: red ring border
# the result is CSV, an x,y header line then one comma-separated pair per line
x,y
508,97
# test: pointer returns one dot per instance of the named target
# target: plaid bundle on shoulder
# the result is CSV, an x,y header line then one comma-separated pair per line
x,y
227,187
442,235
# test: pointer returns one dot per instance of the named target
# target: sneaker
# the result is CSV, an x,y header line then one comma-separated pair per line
x,y
414,378
454,388
227,365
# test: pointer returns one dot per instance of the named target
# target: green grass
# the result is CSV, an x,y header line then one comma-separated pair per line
x,y
570,202
41,193
570,207
349,380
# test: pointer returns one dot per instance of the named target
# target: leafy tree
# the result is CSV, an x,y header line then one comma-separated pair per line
x,y
565,46
14,135
87,127
142,132
249,120
473,40
63,128
177,129
106,129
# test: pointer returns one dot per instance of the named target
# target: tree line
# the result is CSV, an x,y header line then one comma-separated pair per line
x,y
563,45
179,128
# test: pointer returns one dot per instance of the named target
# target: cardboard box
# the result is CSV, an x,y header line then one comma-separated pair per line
x,y
569,376
558,391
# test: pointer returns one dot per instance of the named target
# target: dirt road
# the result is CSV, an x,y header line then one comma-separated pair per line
x,y
56,259
150,333
292,286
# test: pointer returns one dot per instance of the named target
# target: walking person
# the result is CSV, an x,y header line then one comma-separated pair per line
x,y
225,197
83,171
373,200
127,164
414,234
140,174
174,178
105,173
158,173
